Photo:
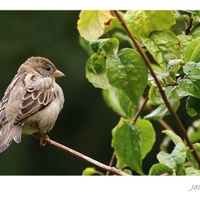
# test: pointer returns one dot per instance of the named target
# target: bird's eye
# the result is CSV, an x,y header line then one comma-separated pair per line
x,y
48,68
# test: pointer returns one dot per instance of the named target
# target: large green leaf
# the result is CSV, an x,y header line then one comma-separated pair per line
x,y
192,51
133,142
93,23
163,46
147,136
143,22
191,82
128,72
126,142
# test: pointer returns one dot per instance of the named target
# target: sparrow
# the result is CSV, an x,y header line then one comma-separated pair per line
x,y
32,101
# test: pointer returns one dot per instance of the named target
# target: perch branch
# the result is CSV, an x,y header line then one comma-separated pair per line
x,y
47,140
173,113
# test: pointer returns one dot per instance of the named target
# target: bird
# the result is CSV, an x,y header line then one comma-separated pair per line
x,y
32,101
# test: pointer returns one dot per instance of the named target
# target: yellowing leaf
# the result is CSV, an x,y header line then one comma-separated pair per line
x,y
143,22
92,24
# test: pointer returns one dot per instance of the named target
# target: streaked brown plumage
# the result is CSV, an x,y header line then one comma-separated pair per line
x,y
32,101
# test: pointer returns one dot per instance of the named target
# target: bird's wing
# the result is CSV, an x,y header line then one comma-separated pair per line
x,y
6,96
38,94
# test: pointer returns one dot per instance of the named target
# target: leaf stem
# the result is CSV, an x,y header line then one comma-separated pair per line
x,y
47,140
174,115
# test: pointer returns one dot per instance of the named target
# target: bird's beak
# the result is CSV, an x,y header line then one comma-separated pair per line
x,y
58,74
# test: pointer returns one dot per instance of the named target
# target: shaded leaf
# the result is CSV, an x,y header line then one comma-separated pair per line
x,y
194,131
159,169
162,110
96,71
105,46
112,101
190,156
193,106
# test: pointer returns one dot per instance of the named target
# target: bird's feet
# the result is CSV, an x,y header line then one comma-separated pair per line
x,y
42,137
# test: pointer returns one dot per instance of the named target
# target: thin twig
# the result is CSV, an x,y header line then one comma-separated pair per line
x,y
113,158
47,140
140,110
174,115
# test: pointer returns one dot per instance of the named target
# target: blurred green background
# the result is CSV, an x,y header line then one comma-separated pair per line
x,y
84,124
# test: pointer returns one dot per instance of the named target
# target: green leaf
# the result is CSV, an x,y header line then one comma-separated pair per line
x,y
162,110
163,46
166,158
96,71
195,33
159,169
120,103
126,104
174,137
190,171
112,101
93,23
105,46
194,131
91,171
142,23
192,51
147,136
191,82
193,106
126,142
179,154
190,156
173,67
184,41
128,72
176,159
154,95
133,142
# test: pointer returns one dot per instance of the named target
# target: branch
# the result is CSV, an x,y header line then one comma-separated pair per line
x,y
174,115
47,140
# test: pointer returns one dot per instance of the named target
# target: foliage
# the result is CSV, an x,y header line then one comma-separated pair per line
x,y
171,40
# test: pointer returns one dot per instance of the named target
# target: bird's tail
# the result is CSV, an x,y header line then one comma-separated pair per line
x,y
9,133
